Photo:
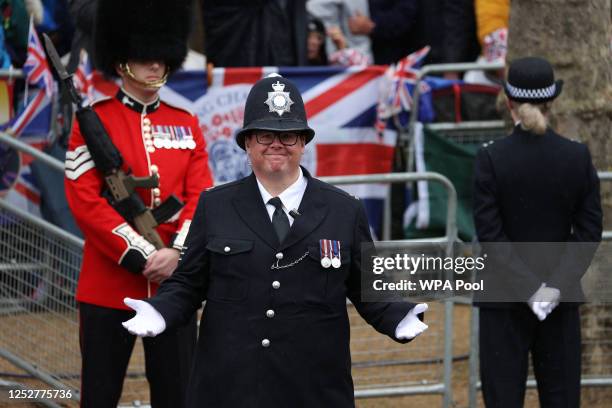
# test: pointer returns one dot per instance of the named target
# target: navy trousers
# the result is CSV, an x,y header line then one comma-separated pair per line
x,y
507,335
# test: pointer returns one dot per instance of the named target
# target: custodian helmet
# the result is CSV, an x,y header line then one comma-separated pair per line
x,y
274,103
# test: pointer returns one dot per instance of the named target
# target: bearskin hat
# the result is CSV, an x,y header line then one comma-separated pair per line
x,y
142,30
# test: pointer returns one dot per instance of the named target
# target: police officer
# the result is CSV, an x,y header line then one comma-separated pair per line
x,y
540,192
142,42
275,255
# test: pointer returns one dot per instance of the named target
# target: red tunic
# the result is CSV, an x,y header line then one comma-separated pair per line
x,y
151,138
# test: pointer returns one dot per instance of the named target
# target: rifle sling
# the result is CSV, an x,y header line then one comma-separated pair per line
x,y
132,206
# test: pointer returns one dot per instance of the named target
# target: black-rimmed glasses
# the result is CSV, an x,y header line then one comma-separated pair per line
x,y
286,138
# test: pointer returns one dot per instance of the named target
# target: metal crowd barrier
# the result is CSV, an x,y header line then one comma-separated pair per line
x,y
369,351
39,265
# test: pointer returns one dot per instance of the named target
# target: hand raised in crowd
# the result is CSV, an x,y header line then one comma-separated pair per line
x,y
335,34
161,264
360,24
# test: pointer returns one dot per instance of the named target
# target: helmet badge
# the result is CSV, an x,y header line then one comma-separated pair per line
x,y
279,101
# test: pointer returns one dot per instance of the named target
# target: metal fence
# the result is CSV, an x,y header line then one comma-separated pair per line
x,y
426,367
39,265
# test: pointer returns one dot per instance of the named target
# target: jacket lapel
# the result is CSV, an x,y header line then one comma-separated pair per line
x,y
250,207
313,211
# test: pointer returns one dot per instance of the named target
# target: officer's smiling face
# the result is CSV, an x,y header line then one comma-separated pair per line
x,y
275,159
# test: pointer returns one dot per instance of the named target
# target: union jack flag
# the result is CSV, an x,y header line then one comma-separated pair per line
x,y
83,78
341,106
341,103
32,125
398,87
36,67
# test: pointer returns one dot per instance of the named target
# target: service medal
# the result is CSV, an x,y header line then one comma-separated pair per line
x,y
335,247
325,249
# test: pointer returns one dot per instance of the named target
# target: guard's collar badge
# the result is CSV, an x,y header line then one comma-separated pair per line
x,y
279,101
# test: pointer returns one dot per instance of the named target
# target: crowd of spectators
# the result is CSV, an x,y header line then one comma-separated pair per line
x,y
350,32
234,33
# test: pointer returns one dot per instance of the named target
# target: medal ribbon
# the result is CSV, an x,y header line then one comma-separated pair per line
x,y
336,249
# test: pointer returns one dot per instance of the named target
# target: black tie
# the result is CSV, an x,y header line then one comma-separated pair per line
x,y
279,219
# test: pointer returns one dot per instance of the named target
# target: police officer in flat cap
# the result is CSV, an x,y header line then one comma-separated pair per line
x,y
536,196
275,255
142,42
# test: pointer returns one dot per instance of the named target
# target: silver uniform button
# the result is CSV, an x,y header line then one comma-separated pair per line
x,y
276,284
265,343
227,249
279,255
270,313
154,169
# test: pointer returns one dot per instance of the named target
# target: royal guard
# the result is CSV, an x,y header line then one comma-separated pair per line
x,y
142,42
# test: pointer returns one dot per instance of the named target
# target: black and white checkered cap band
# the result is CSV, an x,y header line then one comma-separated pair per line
x,y
542,93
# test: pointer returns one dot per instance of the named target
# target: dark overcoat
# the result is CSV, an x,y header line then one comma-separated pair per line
x,y
272,336
543,190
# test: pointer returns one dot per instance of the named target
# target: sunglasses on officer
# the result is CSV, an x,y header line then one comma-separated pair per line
x,y
266,137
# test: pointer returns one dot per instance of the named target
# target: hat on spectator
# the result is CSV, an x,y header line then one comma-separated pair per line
x,y
141,30
274,103
532,80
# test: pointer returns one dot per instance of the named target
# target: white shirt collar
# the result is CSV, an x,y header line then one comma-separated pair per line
x,y
291,197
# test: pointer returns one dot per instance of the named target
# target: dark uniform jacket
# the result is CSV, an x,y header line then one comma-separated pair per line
x,y
272,336
538,189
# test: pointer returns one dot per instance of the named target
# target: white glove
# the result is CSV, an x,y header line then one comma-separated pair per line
x,y
411,326
544,301
148,322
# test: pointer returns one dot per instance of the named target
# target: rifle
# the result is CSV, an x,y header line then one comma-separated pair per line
x,y
107,158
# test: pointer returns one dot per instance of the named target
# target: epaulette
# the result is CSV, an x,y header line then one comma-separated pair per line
x,y
101,99
217,188
339,191
176,106
490,142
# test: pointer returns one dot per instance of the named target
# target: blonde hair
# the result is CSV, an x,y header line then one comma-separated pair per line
x,y
533,117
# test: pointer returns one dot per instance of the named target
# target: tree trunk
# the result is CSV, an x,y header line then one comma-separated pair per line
x,y
574,35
